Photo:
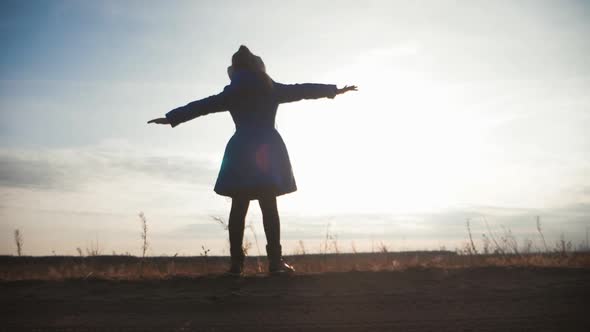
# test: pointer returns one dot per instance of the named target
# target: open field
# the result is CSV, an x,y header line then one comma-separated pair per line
x,y
412,296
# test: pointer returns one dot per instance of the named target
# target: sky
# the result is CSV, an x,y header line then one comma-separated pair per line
x,y
466,110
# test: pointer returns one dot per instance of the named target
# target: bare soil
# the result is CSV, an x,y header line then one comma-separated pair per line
x,y
470,299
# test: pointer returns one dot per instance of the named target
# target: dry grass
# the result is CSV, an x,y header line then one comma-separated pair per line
x,y
18,239
133,268
496,249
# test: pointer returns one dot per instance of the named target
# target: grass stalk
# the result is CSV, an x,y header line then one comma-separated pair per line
x,y
18,239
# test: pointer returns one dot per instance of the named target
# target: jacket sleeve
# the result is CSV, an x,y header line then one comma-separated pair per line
x,y
212,104
287,93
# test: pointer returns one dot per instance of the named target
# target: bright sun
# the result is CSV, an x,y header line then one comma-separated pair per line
x,y
398,145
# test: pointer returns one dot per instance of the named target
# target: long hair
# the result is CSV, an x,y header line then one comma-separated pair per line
x,y
244,59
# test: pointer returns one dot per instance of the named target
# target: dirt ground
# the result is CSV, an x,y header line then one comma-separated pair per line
x,y
476,299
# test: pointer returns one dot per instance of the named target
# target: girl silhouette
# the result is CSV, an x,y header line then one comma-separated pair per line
x,y
256,164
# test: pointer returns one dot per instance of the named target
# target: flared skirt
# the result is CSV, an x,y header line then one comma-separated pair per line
x,y
255,164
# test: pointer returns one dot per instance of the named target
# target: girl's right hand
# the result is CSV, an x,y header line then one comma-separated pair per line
x,y
160,121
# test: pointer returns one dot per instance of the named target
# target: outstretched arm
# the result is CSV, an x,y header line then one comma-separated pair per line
x,y
287,93
212,104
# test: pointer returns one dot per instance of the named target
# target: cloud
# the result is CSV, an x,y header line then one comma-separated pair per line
x,y
61,169
199,231
29,173
420,231
179,169
444,224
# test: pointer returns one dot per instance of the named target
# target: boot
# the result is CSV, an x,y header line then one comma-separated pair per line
x,y
276,264
237,263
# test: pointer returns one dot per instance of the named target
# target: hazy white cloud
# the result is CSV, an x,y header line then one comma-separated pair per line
x,y
71,169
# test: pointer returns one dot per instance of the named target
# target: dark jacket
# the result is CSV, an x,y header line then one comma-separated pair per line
x,y
256,162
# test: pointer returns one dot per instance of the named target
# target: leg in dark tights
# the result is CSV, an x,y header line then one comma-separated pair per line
x,y
271,221
237,220
272,229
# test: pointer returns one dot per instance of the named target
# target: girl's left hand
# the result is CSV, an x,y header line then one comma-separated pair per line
x,y
347,88
160,121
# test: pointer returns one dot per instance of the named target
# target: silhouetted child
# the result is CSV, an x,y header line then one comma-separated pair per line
x,y
256,164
